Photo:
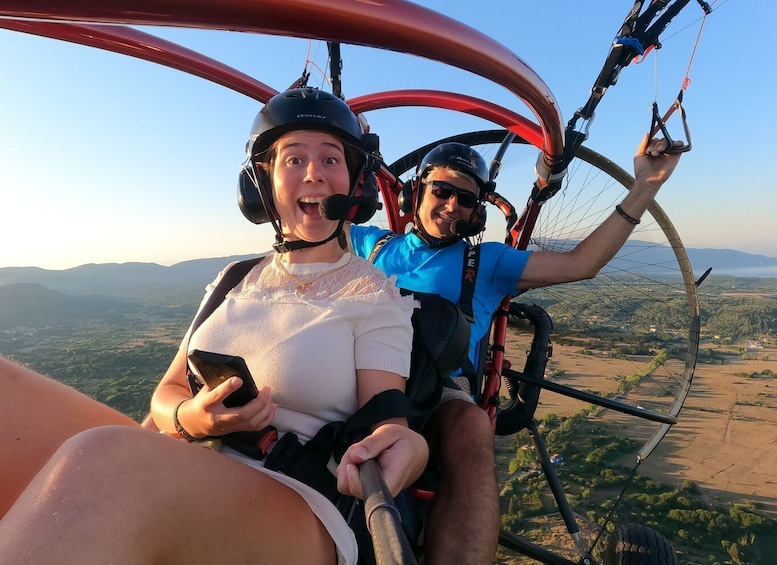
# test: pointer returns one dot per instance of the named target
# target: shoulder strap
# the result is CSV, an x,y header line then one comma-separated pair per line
x,y
378,244
468,278
230,280
469,273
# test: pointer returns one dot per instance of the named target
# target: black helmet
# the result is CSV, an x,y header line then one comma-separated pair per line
x,y
306,108
461,158
309,109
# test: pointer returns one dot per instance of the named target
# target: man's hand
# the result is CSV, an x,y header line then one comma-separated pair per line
x,y
652,165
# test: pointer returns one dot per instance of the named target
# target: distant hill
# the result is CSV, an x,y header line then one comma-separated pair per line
x,y
729,261
644,257
185,282
32,305
129,280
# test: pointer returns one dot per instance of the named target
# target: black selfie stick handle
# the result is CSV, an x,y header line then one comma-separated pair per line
x,y
383,521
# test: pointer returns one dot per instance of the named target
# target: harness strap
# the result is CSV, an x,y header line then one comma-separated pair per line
x,y
308,463
378,245
232,277
468,279
230,280
252,443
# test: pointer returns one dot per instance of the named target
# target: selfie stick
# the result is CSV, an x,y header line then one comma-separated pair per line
x,y
383,521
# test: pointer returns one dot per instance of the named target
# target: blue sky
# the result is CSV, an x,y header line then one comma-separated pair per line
x,y
104,158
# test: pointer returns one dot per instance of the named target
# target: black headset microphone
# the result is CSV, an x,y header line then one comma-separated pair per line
x,y
354,209
465,228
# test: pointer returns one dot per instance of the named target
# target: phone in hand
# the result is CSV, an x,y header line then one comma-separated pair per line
x,y
215,368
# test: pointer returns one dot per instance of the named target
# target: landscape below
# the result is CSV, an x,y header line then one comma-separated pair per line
x,y
711,487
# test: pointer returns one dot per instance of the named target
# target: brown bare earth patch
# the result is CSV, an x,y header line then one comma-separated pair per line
x,y
726,437
725,440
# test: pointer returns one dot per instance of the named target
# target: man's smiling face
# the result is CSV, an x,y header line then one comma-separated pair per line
x,y
437,214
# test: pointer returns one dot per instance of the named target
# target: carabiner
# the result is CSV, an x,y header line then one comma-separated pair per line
x,y
585,126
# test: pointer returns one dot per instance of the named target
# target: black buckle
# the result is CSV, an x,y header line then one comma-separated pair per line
x,y
253,444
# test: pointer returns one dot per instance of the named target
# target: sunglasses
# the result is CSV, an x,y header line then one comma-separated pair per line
x,y
444,191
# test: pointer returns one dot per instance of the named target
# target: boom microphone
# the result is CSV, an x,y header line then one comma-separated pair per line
x,y
354,209
465,228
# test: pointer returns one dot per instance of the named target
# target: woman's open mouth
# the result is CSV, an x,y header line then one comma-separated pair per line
x,y
309,205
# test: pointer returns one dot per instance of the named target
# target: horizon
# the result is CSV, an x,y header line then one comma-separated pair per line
x,y
226,256
110,159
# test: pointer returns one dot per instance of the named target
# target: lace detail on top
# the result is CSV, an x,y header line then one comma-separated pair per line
x,y
350,278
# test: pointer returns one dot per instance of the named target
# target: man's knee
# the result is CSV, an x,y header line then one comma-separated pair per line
x,y
461,430
463,420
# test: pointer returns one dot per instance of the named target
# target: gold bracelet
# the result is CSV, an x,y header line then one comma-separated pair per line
x,y
630,219
178,427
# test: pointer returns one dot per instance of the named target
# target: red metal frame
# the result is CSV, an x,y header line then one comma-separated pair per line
x,y
389,24
135,43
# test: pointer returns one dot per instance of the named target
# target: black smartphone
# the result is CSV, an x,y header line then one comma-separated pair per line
x,y
215,368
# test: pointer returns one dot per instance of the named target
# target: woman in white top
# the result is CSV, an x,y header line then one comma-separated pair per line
x,y
322,333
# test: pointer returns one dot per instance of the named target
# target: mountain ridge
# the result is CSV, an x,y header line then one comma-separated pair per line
x,y
189,278
129,280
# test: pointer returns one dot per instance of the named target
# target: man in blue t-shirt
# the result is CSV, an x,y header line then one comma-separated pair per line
x,y
446,197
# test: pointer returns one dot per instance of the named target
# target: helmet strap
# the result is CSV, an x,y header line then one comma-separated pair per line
x,y
282,245
432,242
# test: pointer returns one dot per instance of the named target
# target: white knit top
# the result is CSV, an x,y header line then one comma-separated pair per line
x,y
304,330
307,346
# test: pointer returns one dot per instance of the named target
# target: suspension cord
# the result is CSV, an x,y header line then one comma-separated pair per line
x,y
658,122
608,519
707,10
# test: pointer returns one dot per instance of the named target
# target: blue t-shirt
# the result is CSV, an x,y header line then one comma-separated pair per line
x,y
421,268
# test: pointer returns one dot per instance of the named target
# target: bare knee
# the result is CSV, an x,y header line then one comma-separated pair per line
x,y
459,431
99,457
104,443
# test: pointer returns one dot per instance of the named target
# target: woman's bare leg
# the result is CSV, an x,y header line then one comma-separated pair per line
x,y
122,495
37,415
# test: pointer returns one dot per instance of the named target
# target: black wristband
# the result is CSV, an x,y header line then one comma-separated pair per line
x,y
630,219
178,427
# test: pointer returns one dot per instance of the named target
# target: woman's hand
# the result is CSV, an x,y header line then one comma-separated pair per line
x,y
205,414
401,454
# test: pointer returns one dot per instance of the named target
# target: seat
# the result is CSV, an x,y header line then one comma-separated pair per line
x,y
441,337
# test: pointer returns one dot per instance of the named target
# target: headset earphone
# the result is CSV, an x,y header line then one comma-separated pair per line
x,y
406,196
254,196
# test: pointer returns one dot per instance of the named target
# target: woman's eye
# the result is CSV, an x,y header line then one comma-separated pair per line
x,y
331,160
294,160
